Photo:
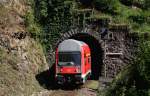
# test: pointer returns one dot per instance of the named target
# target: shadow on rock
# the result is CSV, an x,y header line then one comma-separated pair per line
x,y
47,80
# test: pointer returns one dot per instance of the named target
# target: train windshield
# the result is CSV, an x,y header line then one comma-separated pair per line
x,y
69,59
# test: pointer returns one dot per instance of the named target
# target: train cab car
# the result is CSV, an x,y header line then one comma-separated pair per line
x,y
73,62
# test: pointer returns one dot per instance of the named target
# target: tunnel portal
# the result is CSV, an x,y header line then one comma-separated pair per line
x,y
94,42
109,51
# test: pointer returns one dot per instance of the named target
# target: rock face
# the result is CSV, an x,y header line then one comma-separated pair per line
x,y
21,57
20,61
11,15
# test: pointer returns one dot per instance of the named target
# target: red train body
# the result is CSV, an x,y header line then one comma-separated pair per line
x,y
73,62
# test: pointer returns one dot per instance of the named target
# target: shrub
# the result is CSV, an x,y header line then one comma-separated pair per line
x,y
143,61
86,2
147,4
138,18
106,5
32,26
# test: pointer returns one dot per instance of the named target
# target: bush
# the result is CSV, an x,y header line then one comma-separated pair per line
x,y
86,2
127,2
147,4
138,18
30,22
143,61
106,5
144,4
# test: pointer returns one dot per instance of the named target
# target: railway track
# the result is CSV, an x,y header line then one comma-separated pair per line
x,y
88,89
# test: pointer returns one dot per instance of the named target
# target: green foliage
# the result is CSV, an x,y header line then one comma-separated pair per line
x,y
47,19
86,2
147,4
57,19
106,5
140,18
30,22
144,4
121,84
132,2
133,12
44,9
132,91
143,61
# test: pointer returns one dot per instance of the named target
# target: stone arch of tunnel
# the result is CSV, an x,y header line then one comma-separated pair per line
x,y
94,43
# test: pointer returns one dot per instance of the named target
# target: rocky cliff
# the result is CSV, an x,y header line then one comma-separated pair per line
x,y
21,57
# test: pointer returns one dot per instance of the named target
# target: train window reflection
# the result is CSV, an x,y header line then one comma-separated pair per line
x,y
69,58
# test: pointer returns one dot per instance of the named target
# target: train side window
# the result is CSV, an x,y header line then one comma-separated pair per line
x,y
84,59
89,59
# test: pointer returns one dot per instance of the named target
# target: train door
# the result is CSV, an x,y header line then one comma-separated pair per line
x,y
87,62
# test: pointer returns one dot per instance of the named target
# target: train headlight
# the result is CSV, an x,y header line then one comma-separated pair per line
x,y
78,70
58,69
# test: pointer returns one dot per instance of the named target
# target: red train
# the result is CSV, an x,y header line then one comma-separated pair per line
x,y
73,62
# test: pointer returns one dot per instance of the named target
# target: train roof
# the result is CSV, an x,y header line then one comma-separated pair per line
x,y
70,45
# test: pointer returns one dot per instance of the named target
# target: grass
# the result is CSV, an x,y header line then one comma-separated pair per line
x,y
124,77
136,17
92,84
11,13
36,56
140,27
9,58
3,14
8,71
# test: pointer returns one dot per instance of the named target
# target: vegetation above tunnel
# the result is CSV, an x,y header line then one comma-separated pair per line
x,y
50,18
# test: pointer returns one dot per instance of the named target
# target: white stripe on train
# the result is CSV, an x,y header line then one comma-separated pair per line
x,y
84,75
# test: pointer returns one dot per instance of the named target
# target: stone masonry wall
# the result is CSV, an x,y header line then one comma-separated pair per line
x,y
114,50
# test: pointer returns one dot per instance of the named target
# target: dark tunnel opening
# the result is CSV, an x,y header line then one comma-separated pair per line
x,y
96,53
